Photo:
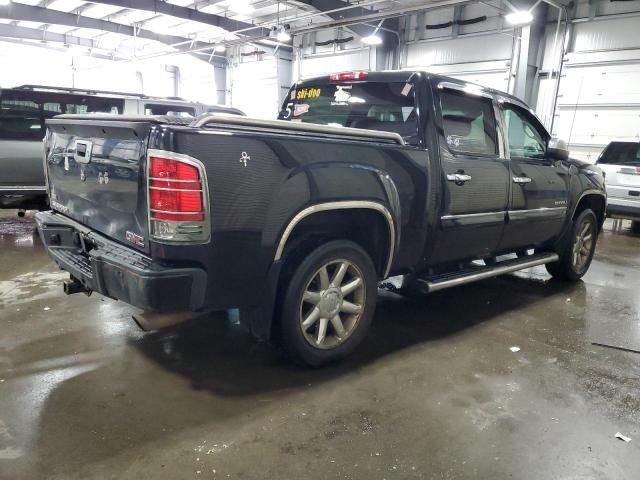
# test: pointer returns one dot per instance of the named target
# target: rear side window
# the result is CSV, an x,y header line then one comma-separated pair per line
x,y
621,153
468,122
23,113
175,110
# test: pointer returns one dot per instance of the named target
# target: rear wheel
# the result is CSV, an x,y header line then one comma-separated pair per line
x,y
577,253
329,303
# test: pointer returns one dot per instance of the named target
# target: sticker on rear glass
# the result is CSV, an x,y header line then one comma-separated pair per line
x,y
300,109
305,93
406,90
342,95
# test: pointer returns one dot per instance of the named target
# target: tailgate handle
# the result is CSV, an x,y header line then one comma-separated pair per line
x,y
83,151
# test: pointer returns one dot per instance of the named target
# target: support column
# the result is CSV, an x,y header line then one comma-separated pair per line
x,y
522,63
220,77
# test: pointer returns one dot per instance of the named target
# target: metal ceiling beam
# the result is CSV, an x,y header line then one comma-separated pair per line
x,y
14,31
186,13
22,12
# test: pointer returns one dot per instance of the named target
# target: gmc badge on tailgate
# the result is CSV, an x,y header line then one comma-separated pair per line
x,y
134,238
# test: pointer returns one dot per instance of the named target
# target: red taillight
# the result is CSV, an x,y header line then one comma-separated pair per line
x,y
345,76
175,190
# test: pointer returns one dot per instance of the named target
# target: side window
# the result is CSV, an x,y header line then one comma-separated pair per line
x,y
20,119
468,122
525,138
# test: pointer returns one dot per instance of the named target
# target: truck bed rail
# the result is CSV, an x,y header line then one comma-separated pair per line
x,y
234,120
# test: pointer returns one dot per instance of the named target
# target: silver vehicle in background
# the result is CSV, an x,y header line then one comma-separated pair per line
x,y
23,111
620,161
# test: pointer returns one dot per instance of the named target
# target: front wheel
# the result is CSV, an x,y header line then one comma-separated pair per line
x,y
329,303
577,252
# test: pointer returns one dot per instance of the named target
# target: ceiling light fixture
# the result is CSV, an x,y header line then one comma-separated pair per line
x,y
519,18
372,40
219,48
283,35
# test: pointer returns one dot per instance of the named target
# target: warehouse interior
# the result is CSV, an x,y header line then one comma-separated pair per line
x,y
518,376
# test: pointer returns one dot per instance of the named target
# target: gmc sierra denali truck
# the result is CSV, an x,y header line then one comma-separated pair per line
x,y
295,221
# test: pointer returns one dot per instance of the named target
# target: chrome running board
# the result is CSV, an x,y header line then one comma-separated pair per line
x,y
448,280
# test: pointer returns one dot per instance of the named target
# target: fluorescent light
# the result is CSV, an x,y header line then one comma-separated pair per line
x,y
219,48
519,18
283,36
372,40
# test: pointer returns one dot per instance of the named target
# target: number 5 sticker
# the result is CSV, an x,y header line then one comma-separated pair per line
x,y
287,116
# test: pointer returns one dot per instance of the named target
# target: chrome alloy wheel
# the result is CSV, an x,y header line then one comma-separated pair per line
x,y
583,246
332,304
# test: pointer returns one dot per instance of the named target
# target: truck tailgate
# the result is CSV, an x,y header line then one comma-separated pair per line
x,y
96,175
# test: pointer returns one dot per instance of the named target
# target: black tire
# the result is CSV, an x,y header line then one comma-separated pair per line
x,y
572,266
635,226
297,341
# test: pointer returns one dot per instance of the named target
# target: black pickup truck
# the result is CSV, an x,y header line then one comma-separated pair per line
x,y
295,221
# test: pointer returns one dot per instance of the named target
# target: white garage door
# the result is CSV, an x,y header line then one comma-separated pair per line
x,y
317,65
254,88
597,104
483,60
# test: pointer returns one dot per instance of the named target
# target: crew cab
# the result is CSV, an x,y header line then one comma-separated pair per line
x,y
296,221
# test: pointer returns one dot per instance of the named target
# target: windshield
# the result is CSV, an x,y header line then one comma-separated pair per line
x,y
383,106
621,153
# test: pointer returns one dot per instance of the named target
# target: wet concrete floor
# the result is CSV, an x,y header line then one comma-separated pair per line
x,y
434,392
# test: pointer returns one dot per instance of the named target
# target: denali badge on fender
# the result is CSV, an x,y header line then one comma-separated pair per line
x,y
134,238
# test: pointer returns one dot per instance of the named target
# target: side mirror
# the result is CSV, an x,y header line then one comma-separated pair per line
x,y
558,149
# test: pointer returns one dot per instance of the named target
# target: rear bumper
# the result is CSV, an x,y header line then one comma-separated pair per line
x,y
623,208
117,271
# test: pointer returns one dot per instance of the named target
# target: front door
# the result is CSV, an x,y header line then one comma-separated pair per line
x,y
539,184
474,175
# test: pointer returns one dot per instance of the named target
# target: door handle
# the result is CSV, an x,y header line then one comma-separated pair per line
x,y
459,178
521,180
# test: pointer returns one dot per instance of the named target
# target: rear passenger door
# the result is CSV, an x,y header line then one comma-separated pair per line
x,y
539,185
474,173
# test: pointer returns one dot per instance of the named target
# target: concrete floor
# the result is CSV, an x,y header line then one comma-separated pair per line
x,y
434,392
